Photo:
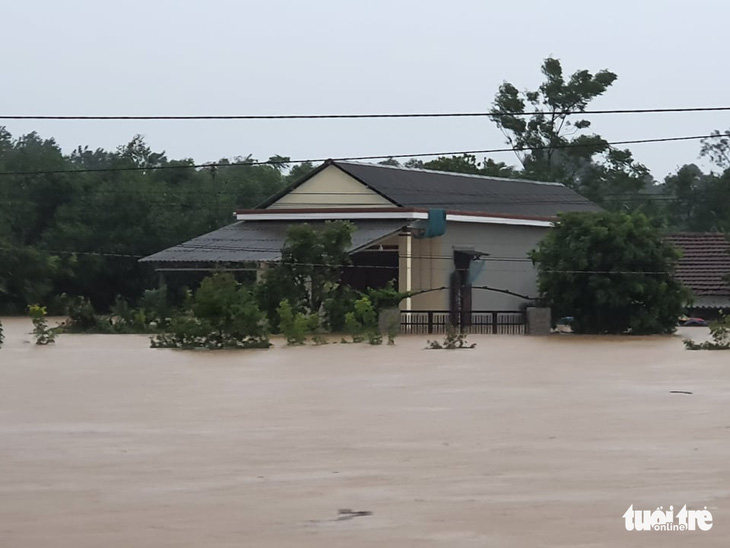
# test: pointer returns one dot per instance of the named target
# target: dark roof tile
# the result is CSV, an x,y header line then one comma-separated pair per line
x,y
253,241
420,188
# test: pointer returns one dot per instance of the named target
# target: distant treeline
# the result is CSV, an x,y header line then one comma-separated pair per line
x,y
82,233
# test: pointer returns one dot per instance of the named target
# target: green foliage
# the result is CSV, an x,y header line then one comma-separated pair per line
x,y
695,201
109,218
156,306
466,163
717,149
309,271
152,315
299,171
392,333
385,297
43,334
274,288
319,339
612,272
26,272
353,327
552,145
293,326
720,333
382,299
374,337
82,316
362,322
340,301
454,339
223,314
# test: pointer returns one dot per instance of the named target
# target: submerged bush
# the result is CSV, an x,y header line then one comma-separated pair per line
x,y
337,305
296,327
293,326
187,333
43,334
720,333
454,339
82,318
223,314
362,323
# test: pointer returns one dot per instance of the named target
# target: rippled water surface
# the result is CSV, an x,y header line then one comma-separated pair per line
x,y
520,442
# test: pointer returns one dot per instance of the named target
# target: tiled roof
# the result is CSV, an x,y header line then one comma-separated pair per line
x,y
705,263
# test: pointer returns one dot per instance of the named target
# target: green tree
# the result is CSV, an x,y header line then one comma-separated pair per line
x,y
612,272
552,144
717,149
299,171
466,163
82,233
309,271
696,201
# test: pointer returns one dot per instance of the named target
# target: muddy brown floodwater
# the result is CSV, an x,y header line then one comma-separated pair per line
x,y
520,442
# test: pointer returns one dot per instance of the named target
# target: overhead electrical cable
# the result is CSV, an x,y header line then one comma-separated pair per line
x,y
359,158
345,116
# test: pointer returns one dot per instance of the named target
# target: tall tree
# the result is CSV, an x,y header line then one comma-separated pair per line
x,y
549,136
717,149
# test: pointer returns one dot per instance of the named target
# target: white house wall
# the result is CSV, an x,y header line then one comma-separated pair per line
x,y
432,264
331,188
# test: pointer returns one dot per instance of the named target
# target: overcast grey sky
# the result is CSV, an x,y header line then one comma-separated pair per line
x,y
158,57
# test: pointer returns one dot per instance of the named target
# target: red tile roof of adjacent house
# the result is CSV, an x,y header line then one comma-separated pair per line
x,y
705,264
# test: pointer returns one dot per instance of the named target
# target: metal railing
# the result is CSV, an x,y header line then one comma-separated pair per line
x,y
498,322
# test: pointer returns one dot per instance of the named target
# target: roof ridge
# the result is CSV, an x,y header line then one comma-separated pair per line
x,y
452,173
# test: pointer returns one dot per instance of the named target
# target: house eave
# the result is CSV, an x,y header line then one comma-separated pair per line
x,y
320,214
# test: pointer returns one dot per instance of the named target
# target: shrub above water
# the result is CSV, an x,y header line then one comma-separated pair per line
x,y
43,334
223,314
720,333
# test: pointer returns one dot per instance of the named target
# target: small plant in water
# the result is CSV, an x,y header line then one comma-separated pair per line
x,y
454,339
319,339
43,334
720,333
375,338
362,323
2,335
293,326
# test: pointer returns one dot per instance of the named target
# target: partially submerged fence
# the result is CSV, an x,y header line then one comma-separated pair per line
x,y
498,322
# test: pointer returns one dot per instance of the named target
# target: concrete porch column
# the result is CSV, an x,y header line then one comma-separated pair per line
x,y
405,267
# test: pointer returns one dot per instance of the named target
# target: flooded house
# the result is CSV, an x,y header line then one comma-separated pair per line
x,y
458,241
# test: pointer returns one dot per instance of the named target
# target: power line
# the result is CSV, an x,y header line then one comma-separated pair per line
x,y
357,116
360,158
626,272
189,201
